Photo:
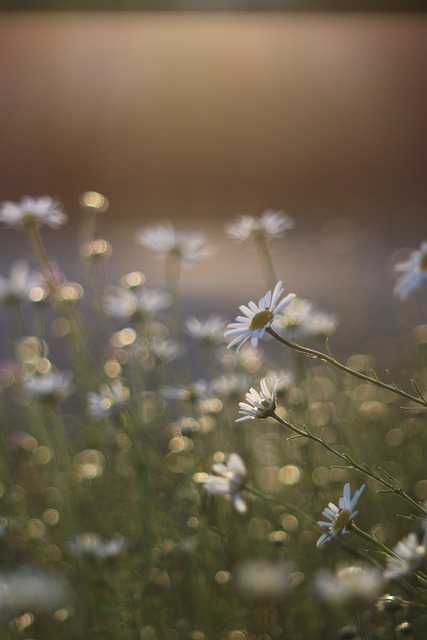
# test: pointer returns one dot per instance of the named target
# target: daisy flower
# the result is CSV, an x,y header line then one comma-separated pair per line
x,y
229,385
260,404
229,479
165,240
17,287
258,318
339,517
138,303
270,224
356,584
195,391
208,331
409,554
91,544
109,401
54,386
37,211
303,320
414,273
263,580
29,589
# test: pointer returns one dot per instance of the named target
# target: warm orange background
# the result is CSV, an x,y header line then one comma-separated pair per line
x,y
200,118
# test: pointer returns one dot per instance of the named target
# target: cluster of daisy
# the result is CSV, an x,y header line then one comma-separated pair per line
x,y
139,362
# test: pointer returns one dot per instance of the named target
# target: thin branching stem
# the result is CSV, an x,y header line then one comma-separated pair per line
x,y
313,353
391,487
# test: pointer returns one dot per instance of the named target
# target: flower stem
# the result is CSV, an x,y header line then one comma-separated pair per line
x,y
76,334
265,260
312,353
365,469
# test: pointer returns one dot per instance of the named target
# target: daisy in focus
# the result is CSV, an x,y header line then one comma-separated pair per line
x,y
409,555
32,211
258,318
414,273
271,224
164,240
260,404
229,479
339,517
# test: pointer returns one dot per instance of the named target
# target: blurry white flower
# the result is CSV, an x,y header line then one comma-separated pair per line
x,y
229,479
353,585
257,318
17,287
91,544
263,579
283,379
29,589
138,302
164,240
415,272
409,555
208,331
165,351
271,224
339,518
36,211
259,404
54,386
109,401
303,320
230,384
194,391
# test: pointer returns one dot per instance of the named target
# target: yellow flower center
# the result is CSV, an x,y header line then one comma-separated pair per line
x,y
261,319
341,520
423,261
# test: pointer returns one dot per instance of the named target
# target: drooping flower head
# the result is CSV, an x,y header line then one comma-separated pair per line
x,y
229,479
32,211
164,240
414,273
339,517
260,404
258,317
270,224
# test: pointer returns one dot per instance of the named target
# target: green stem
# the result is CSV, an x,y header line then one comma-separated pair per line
x,y
55,430
349,461
283,503
357,374
265,260
373,539
76,334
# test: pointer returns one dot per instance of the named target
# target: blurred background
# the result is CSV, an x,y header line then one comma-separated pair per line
x,y
200,118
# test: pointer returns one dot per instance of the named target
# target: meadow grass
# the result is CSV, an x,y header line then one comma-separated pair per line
x,y
279,496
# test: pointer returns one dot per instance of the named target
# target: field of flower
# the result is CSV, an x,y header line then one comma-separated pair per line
x,y
282,494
